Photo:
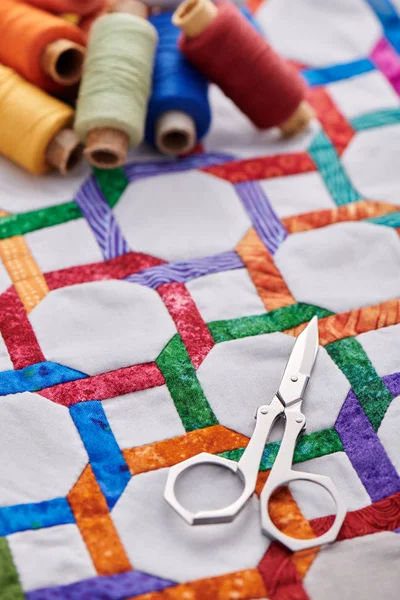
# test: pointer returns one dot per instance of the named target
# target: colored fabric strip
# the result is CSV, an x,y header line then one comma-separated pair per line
x,y
336,180
368,458
10,586
22,517
106,385
101,220
186,270
389,18
36,377
265,221
276,320
390,220
112,184
115,587
387,61
185,389
379,118
106,459
335,125
22,223
371,391
338,72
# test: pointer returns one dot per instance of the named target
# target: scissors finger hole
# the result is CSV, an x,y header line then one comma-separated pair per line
x,y
292,507
207,487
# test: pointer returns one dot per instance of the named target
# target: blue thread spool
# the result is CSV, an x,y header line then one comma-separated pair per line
x,y
179,111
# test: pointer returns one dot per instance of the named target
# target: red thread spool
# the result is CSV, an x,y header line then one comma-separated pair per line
x,y
224,46
43,48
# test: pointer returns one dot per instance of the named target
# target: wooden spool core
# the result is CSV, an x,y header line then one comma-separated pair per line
x,y
106,148
298,121
63,60
64,151
175,133
194,16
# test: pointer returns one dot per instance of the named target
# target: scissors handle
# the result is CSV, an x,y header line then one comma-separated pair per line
x,y
247,469
283,474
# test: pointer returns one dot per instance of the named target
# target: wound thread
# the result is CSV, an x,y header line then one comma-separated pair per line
x,y
25,33
232,54
117,74
177,85
30,121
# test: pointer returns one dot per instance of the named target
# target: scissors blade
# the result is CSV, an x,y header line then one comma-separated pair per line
x,y
300,364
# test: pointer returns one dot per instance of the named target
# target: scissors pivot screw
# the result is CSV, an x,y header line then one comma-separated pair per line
x,y
264,410
294,378
299,420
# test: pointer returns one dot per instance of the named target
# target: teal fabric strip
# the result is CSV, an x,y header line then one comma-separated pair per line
x,y
380,118
330,168
390,220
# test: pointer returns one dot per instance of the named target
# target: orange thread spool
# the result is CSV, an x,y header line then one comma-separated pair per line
x,y
43,48
78,7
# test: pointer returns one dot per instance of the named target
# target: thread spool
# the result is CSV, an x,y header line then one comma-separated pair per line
x,y
115,88
224,46
35,128
77,7
179,112
45,49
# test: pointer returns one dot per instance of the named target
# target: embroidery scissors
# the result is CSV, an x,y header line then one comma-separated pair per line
x,y
285,404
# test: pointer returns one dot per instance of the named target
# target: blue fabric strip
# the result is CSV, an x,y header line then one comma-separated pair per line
x,y
338,72
108,464
36,377
22,517
389,18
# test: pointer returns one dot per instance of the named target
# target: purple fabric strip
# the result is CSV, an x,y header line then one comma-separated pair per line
x,y
115,587
386,59
266,222
137,171
364,448
101,220
185,270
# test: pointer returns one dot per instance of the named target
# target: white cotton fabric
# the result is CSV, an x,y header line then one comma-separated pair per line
x,y
295,194
21,191
5,281
320,33
143,417
227,295
365,567
343,266
211,216
158,541
51,557
238,376
41,453
73,324
383,349
52,248
369,161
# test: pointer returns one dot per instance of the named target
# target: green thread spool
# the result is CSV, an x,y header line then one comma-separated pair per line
x,y
115,88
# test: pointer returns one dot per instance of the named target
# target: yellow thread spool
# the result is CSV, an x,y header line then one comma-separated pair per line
x,y
34,127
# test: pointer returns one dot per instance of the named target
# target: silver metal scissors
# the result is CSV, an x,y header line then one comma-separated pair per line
x,y
287,404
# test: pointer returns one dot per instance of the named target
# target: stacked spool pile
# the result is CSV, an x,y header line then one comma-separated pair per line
x,y
143,78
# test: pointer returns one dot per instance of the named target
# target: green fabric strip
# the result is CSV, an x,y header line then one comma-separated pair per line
x,y
380,118
22,223
311,445
185,389
112,183
330,168
373,395
10,587
276,320
390,220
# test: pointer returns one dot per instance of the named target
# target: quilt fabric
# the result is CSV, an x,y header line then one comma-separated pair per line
x,y
145,320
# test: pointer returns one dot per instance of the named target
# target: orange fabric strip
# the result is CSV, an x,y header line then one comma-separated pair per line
x,y
96,526
355,211
354,322
166,453
242,585
270,284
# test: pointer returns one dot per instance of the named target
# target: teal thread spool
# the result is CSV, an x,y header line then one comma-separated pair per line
x,y
115,89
